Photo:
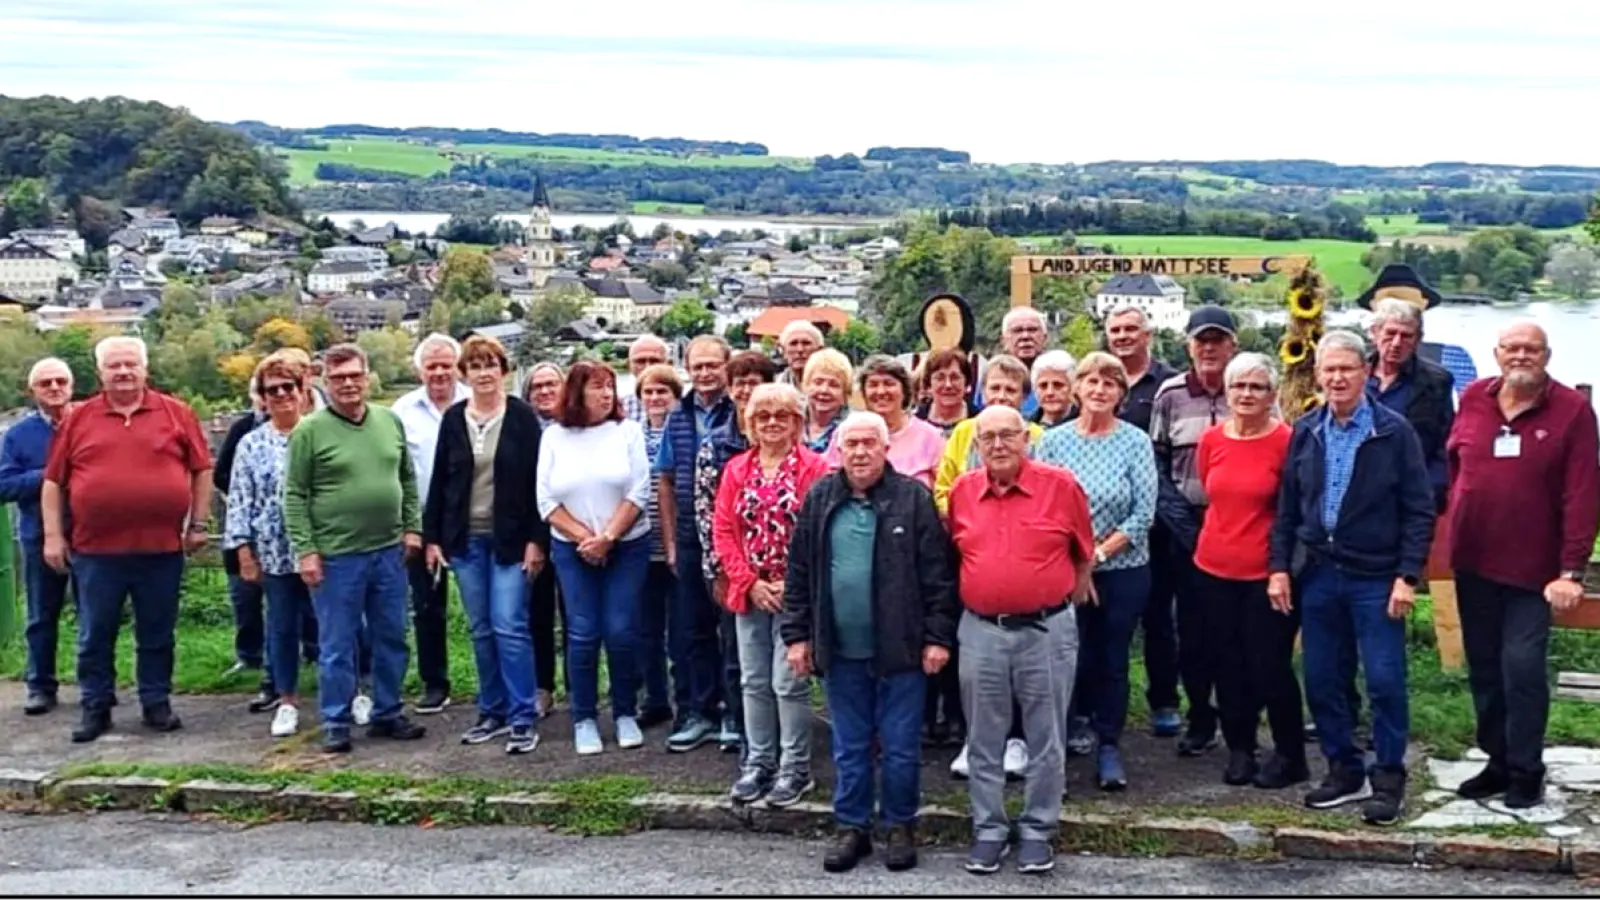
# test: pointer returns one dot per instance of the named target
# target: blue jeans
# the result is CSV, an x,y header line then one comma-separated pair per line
x,y
494,596
658,589
1343,616
603,603
371,584
865,706
1104,640
249,637
693,638
103,582
288,608
47,593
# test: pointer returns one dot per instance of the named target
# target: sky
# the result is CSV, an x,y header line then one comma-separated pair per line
x,y
1379,82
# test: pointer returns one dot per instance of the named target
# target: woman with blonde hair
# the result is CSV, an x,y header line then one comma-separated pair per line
x,y
826,383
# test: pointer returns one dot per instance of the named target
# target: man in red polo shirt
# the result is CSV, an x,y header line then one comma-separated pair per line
x,y
1524,505
1027,547
133,469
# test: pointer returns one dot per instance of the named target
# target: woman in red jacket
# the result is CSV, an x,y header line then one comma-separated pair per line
x,y
758,502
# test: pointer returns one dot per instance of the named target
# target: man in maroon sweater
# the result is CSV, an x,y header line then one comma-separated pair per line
x,y
1524,466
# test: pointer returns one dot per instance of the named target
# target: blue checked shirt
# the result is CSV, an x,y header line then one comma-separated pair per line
x,y
1340,443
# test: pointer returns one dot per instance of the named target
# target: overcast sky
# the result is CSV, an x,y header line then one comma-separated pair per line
x,y
1382,82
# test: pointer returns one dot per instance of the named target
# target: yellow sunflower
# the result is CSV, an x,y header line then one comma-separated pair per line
x,y
1293,350
1310,403
1305,304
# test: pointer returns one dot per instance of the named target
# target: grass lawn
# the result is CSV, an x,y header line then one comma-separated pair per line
x,y
1339,261
657,207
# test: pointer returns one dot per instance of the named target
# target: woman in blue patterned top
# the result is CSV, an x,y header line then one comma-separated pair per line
x,y
1116,465
659,389
826,383
255,526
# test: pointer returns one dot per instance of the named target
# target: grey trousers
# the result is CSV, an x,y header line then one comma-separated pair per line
x,y
1035,666
777,705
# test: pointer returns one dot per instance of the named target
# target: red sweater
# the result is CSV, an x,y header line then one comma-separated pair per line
x,y
1240,478
729,530
1523,520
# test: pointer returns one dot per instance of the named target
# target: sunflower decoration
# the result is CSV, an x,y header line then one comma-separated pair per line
x,y
1293,350
1305,302
1310,404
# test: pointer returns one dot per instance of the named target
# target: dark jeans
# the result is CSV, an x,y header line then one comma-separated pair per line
x,y
103,582
544,599
1254,666
355,587
47,594
1343,616
732,680
427,615
866,707
1194,646
658,588
288,610
942,699
1160,626
603,606
692,639
1105,636
249,635
1506,631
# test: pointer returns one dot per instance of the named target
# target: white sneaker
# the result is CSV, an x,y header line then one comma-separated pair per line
x,y
586,738
958,766
1016,758
286,721
628,734
361,710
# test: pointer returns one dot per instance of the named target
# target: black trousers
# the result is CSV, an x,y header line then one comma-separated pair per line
x,y
1506,631
1195,653
1160,626
1253,664
543,602
942,700
428,601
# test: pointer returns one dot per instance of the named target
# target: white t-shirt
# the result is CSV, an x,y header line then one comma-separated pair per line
x,y
591,471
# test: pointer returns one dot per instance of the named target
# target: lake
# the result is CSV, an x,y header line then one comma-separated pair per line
x,y
427,223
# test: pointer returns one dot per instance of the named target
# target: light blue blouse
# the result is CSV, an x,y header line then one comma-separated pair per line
x,y
1118,472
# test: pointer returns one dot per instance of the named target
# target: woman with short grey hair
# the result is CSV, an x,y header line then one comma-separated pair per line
x,y
1053,373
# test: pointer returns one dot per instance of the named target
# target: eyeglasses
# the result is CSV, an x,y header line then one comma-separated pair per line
x,y
1003,436
345,377
52,382
281,389
1249,387
765,416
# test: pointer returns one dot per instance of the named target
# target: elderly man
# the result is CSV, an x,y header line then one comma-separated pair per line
x,y
1023,334
798,340
1354,502
421,411
23,455
132,470
646,350
1023,533
1128,337
869,605
1410,385
1524,501
350,507
1185,406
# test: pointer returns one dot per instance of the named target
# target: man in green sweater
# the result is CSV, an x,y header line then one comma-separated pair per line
x,y
350,507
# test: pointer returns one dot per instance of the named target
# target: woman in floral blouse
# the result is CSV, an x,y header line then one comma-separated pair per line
x,y
254,526
758,502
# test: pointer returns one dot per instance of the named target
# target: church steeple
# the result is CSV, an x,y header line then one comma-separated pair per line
x,y
540,198
538,237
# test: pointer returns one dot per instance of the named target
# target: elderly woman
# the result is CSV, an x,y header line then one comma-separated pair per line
x,y
480,519
914,445
758,502
1240,463
1116,465
947,378
593,489
658,389
1053,376
542,391
1005,383
827,388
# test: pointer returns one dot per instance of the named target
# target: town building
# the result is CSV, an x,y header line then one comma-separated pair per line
x,y
1158,296
31,272
541,256
338,277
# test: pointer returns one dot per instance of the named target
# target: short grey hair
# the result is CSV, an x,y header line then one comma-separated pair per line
x,y
106,345
644,340
1054,361
799,325
1246,363
437,339
1017,314
1123,309
1395,309
785,395
863,418
47,362
1342,339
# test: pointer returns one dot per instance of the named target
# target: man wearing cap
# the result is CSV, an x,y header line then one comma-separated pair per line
x,y
1185,406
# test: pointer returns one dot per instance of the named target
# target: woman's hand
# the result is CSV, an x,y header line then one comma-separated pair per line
x,y
1278,592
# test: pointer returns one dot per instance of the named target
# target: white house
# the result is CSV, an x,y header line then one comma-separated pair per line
x,y
372,257
64,243
1157,296
31,272
337,277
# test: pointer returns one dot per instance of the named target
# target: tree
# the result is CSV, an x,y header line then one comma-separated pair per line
x,y
1510,271
27,205
966,261
1593,224
20,347
685,319
547,315
96,220
237,369
276,334
323,331
1079,335
737,334
857,340
667,274
466,276
388,353
1572,270
74,345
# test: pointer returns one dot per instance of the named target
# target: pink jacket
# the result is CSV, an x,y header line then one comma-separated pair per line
x,y
728,529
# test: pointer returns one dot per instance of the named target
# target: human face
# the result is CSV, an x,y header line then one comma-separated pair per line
x,y
884,395
708,368
657,399
1024,339
282,397
485,376
1250,395
949,386
798,348
862,454
347,381
1098,394
1523,354
1211,349
1000,389
1126,336
743,387
1055,393
122,371
643,354
824,395
1002,442
1342,375
776,427
546,392
1396,341
52,387
599,398
438,371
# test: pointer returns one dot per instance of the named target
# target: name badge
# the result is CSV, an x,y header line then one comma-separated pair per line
x,y
1507,445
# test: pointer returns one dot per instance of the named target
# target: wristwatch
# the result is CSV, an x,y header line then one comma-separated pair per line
x,y
1099,556
1573,576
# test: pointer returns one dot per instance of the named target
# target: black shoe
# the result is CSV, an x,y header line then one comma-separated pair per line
x,y
935,734
434,700
1525,791
161,718
1494,779
753,784
95,722
1388,798
485,730
789,790
1196,742
38,703
398,728
336,742
265,701
1311,732
957,736
1278,773
1339,788
1242,768
650,718
850,846
902,850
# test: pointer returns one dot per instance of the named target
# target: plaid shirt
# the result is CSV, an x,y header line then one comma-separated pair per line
x,y
1340,444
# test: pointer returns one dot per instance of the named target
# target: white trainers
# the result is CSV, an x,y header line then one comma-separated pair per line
x,y
958,766
286,721
361,710
628,734
1016,758
586,738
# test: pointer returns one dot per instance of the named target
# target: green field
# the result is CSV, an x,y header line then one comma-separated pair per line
x,y
656,207
1339,261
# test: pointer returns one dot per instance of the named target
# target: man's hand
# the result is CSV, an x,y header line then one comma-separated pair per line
x,y
672,559
195,539
800,658
1085,594
1563,594
533,560
1278,592
433,557
934,658
1401,598
412,542
249,569
55,553
311,570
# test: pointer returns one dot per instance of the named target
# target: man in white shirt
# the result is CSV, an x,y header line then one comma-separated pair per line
x,y
646,350
421,412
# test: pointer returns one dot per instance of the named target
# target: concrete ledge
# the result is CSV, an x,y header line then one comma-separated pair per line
x,y
417,807
205,795
128,792
1196,837
19,784
680,811
524,809
1504,854
1584,858
305,803
1307,843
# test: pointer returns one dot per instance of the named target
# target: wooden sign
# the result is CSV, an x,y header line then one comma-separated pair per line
x,y
1024,268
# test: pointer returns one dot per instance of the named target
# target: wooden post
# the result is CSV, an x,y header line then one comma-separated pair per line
x,y
1442,587
1021,282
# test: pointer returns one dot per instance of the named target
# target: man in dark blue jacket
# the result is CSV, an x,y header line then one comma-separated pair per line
x,y
22,458
1355,517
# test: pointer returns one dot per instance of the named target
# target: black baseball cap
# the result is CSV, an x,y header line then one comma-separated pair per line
x,y
1207,317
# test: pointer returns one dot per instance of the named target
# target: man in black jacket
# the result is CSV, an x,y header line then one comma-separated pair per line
x,y
869,604
1410,385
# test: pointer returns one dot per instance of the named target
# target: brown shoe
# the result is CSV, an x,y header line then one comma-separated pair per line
x,y
902,852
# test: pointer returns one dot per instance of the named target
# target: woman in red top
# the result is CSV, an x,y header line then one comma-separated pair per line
x,y
1240,462
758,501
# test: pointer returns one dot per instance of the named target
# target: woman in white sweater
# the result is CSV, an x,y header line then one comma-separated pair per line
x,y
593,489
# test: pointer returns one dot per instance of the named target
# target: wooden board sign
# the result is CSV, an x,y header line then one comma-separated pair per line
x,y
1025,268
